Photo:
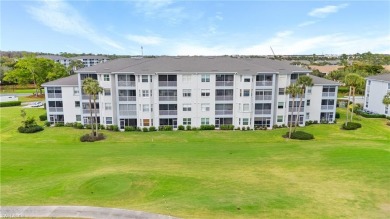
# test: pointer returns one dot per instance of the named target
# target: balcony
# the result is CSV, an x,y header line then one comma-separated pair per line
x,y
88,111
127,112
56,109
290,109
86,97
263,83
328,94
167,83
55,95
126,83
327,107
168,112
224,83
223,112
222,98
263,112
127,98
168,98
263,97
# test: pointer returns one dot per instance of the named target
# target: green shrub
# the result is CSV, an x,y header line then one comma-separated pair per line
x,y
59,124
388,123
188,128
180,127
194,128
226,127
207,127
89,138
47,124
102,127
138,129
145,129
87,126
301,135
248,128
168,128
337,116
31,129
351,126
129,128
43,117
366,115
152,129
10,103
78,125
69,124
114,128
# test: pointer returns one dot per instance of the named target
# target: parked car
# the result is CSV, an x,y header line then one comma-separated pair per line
x,y
36,104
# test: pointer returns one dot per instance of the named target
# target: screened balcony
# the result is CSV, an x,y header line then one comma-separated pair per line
x,y
167,80
126,80
224,80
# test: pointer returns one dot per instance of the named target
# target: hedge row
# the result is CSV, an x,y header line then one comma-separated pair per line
x,y
31,129
10,103
366,115
90,138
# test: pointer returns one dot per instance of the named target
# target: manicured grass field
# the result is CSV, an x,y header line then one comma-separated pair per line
x,y
202,174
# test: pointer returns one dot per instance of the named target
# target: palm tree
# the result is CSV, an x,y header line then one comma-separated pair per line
x,y
386,99
92,88
293,90
303,81
353,81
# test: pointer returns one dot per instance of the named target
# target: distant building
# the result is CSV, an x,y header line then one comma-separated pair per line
x,y
191,91
91,60
60,59
377,87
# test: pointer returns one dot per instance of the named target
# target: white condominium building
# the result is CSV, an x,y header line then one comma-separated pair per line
x,y
195,91
377,87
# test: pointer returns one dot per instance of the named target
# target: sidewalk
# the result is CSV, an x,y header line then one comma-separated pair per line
x,y
75,211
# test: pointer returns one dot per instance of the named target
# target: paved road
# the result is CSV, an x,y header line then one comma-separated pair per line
x,y
75,211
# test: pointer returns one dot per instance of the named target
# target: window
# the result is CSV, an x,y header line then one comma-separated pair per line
x,y
205,78
307,102
205,92
205,107
245,121
145,78
108,120
388,86
107,106
145,93
247,92
186,121
145,107
307,115
146,122
106,77
205,121
247,80
309,90
186,107
186,78
281,91
280,105
186,92
76,91
76,103
245,107
386,109
279,119
107,92
78,118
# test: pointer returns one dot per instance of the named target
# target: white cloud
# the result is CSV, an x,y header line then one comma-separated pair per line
x,y
144,40
61,17
306,23
324,11
161,9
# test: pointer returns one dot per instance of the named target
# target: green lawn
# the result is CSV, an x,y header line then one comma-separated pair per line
x,y
202,174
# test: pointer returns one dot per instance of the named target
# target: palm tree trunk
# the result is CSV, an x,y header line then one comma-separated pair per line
x,y
349,97
90,118
299,109
292,117
353,101
96,123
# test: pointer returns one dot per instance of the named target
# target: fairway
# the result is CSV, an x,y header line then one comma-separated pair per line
x,y
202,174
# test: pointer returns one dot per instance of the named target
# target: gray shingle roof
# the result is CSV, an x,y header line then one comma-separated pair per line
x,y
381,77
53,57
90,57
323,81
194,64
67,81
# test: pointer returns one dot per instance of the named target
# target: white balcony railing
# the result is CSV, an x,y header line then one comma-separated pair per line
x,y
168,98
126,83
167,83
56,109
86,97
327,107
328,94
290,109
127,112
263,112
263,83
224,83
51,95
168,112
223,97
127,98
88,111
223,112
263,97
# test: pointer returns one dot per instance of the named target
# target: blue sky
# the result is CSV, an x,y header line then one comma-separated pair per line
x,y
168,27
